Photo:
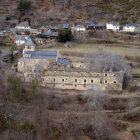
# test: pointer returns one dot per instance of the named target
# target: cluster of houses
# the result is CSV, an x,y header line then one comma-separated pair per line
x,y
21,32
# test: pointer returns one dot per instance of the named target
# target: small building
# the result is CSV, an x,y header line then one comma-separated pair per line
x,y
80,28
65,27
112,26
34,32
91,26
66,23
39,41
129,27
46,34
43,29
48,28
21,39
54,35
55,28
23,26
1,33
86,22
100,26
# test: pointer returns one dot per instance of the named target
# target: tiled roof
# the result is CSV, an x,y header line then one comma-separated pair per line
x,y
80,26
41,52
29,42
22,25
87,21
91,24
130,25
43,28
40,39
54,34
33,56
100,25
23,37
63,61
65,26
47,33
33,30
65,22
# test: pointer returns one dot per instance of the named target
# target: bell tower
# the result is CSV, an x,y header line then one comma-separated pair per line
x,y
29,45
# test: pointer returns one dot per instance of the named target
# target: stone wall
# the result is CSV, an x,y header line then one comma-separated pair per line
x,y
83,80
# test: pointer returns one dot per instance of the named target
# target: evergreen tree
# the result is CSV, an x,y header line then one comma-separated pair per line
x,y
64,36
24,6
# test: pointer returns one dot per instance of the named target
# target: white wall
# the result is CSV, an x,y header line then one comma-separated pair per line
x,y
19,27
81,29
20,42
110,26
129,28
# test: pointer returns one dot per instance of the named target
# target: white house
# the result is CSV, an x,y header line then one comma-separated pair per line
x,y
21,39
23,26
80,28
112,26
129,27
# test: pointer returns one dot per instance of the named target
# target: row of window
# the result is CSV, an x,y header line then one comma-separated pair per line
x,y
82,73
76,81
29,47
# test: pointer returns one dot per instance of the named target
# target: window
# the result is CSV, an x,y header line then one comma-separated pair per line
x,y
75,85
105,81
115,75
62,80
85,80
114,81
105,74
98,74
28,47
64,72
66,79
75,80
91,81
43,79
54,79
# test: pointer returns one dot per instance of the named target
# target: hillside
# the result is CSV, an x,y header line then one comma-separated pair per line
x,y
119,11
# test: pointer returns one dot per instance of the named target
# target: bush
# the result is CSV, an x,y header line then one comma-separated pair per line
x,y
27,32
64,36
7,58
26,126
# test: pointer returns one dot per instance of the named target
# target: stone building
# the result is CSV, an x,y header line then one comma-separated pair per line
x,y
61,73
82,79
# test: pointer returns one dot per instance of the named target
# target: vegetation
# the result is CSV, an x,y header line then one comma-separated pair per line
x,y
27,32
64,36
24,6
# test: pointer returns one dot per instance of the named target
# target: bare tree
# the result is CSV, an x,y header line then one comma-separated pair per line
x,y
103,126
96,98
104,60
135,52
131,104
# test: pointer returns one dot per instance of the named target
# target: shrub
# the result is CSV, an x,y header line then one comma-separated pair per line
x,y
64,36
26,126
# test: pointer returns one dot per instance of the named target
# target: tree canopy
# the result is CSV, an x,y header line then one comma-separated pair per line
x,y
24,6
64,36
